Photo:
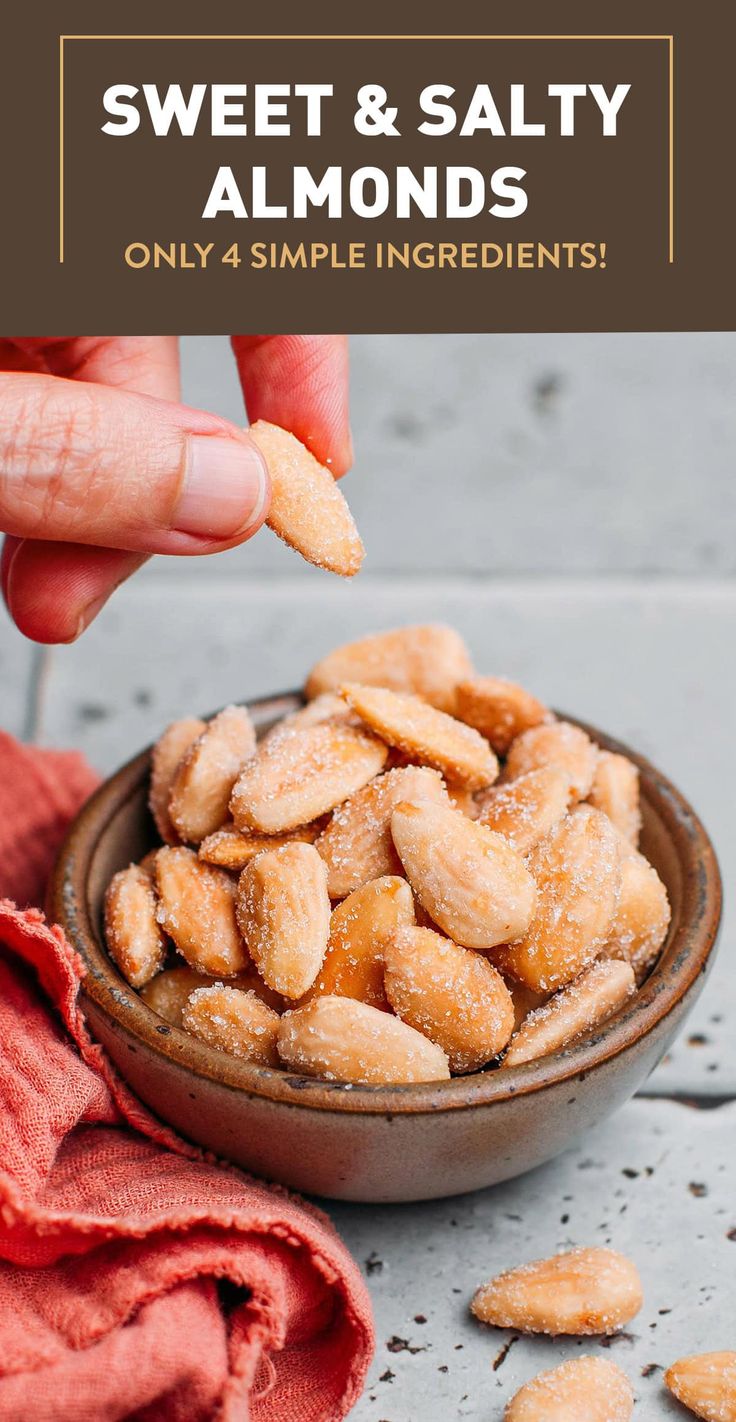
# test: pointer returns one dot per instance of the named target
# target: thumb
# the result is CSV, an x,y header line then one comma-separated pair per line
x,y
86,463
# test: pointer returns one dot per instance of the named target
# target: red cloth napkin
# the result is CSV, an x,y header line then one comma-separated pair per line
x,y
138,1279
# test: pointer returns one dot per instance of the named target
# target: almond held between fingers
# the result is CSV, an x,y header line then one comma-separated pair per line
x,y
357,845
340,1039
499,709
361,927
165,759
204,779
525,810
584,1291
615,791
197,910
577,870
230,848
298,776
283,911
471,882
134,937
426,660
555,743
233,1021
452,995
580,1390
706,1383
642,916
586,1002
425,734
307,509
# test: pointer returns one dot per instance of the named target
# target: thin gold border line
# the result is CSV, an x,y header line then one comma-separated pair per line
x,y
669,38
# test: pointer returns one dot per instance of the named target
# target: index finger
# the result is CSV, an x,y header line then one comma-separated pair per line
x,y
300,383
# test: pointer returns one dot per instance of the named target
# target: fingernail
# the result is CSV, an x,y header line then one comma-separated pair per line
x,y
225,489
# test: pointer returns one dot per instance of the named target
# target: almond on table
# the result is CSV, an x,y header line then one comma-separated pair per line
x,y
615,791
471,882
586,1002
452,995
499,709
357,845
197,910
580,1390
361,928
555,743
203,781
134,936
339,1039
425,734
283,910
165,759
525,809
307,509
298,776
233,1021
584,1291
706,1383
426,660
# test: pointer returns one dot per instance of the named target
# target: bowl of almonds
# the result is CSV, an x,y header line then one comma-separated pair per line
x,y
403,934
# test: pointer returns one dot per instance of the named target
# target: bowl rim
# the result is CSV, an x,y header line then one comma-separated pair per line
x,y
687,956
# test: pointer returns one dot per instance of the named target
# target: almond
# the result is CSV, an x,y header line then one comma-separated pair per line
x,y
706,1383
464,800
499,709
450,994
233,1021
357,845
134,938
615,791
525,809
580,1390
426,660
339,1039
300,775
425,734
167,993
525,1001
469,880
197,909
307,509
204,779
165,758
557,743
360,929
327,707
587,1001
582,1291
230,848
284,915
577,869
642,916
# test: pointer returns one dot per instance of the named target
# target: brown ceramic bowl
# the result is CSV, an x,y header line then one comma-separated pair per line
x,y
396,1142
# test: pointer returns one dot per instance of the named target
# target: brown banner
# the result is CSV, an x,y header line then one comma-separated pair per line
x,y
522,174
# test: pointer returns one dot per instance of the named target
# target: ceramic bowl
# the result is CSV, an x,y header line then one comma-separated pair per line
x,y
397,1142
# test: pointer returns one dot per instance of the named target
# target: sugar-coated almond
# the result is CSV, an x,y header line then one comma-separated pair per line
x,y
465,800
615,791
327,707
706,1383
499,709
197,909
555,743
580,1390
357,845
586,1002
307,509
642,916
525,1001
284,916
233,1021
425,734
584,1291
298,776
133,934
231,848
524,810
203,782
426,660
165,759
361,927
167,993
470,880
577,869
452,995
340,1039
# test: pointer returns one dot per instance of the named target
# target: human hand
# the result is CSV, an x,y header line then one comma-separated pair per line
x,y
100,465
